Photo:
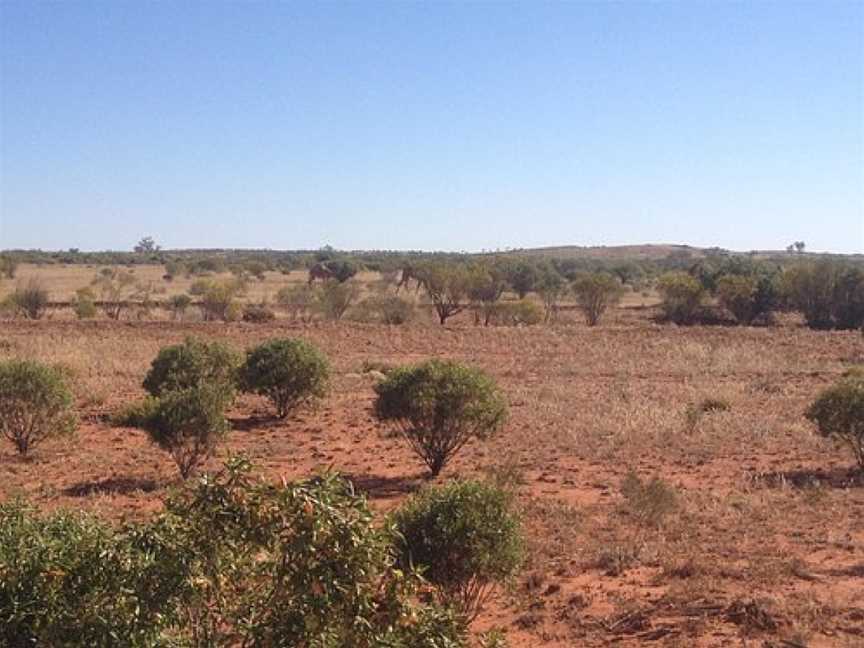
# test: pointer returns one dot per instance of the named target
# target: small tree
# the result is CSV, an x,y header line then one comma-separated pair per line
x,y
194,363
682,296
8,266
188,424
439,406
464,537
747,297
522,276
30,301
335,298
486,284
219,300
838,413
447,285
595,293
178,305
116,289
146,246
830,294
35,404
551,287
290,372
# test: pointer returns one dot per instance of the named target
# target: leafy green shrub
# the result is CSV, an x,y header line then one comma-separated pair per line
x,y
192,363
30,300
522,276
464,537
68,580
439,406
486,284
258,313
290,372
187,423
748,298
838,413
335,298
830,294
551,287
35,403
519,313
595,293
218,300
178,305
84,304
682,296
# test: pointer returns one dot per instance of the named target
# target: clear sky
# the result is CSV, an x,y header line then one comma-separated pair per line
x,y
431,125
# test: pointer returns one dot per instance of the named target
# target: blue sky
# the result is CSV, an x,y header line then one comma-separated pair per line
x,y
431,125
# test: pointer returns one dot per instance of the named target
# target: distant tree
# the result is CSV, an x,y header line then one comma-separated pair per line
x,y
799,246
447,285
595,292
486,284
551,287
682,296
116,289
522,277
8,266
146,246
29,301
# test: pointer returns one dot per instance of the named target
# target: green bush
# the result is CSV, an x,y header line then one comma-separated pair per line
x,y
551,287
30,300
35,403
84,304
290,372
838,413
218,301
464,537
187,423
595,292
682,296
334,298
258,313
439,406
830,294
447,286
70,581
518,313
192,364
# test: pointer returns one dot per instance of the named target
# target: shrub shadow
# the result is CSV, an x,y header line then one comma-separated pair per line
x,y
112,485
382,487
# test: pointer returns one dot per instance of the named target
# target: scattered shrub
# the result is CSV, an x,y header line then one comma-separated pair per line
x,y
8,266
519,313
439,406
390,309
486,284
830,294
446,285
188,424
297,300
522,276
649,502
35,403
30,300
465,538
335,298
595,293
116,288
178,305
84,304
218,301
838,413
682,296
290,372
551,287
258,313
193,363
747,298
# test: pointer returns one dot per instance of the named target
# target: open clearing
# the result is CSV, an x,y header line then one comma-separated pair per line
x,y
763,542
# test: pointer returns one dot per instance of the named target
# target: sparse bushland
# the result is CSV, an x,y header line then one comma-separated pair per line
x,y
29,300
84,304
595,292
334,298
298,301
830,294
187,423
178,305
35,404
447,285
193,363
748,298
838,413
233,560
439,406
465,538
290,372
682,297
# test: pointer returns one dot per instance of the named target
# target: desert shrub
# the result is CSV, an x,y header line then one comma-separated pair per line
x,y
218,301
193,363
694,412
439,406
486,284
67,579
519,313
134,414
178,305
446,285
522,276
29,300
84,305
465,538
830,294
682,296
391,309
748,298
290,372
35,403
258,313
595,293
551,287
838,413
8,267
116,288
188,423
649,502
335,298
297,300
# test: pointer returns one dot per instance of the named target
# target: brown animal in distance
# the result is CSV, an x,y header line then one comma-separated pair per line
x,y
319,271
409,273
